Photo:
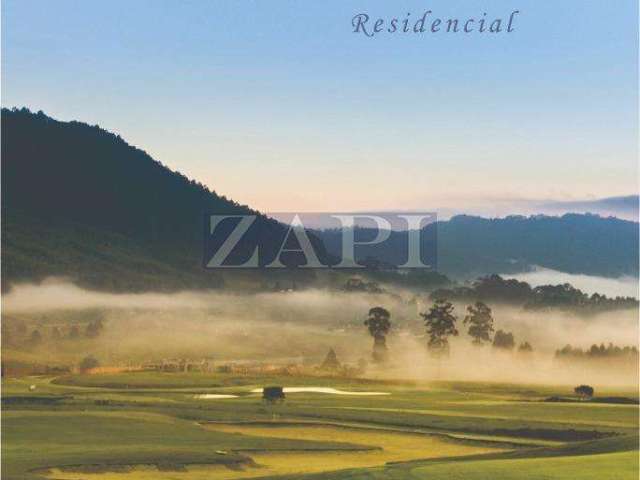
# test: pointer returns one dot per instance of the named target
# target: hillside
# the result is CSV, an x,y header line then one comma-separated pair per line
x,y
79,202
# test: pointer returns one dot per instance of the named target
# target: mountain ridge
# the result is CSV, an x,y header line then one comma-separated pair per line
x,y
81,202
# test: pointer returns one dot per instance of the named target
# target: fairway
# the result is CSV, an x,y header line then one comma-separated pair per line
x,y
385,447
144,426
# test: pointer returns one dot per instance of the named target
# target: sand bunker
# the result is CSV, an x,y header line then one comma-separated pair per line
x,y
330,390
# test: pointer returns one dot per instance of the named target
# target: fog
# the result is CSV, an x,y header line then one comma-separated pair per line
x,y
300,327
612,287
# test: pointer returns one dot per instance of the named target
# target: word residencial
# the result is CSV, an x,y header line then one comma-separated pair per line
x,y
363,23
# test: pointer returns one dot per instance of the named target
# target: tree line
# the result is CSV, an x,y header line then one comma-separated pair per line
x,y
21,334
441,323
494,288
598,352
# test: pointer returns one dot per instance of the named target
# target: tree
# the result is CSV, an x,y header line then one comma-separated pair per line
x,y
379,323
88,363
584,391
440,323
504,340
525,347
480,323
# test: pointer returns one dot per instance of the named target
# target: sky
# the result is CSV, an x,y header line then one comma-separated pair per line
x,y
281,106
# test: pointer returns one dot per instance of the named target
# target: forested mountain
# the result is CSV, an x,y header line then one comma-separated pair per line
x,y
468,247
573,243
80,202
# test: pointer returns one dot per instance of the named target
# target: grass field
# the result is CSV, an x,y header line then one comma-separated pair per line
x,y
142,426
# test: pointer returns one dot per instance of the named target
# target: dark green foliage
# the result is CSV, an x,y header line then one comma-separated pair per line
x,y
494,288
80,202
379,323
569,297
504,340
480,323
596,352
440,323
273,394
356,284
585,391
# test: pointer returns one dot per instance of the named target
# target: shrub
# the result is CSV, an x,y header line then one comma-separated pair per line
x,y
88,363
273,394
504,340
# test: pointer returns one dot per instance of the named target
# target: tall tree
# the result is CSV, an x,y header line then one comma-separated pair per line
x,y
440,322
480,323
379,323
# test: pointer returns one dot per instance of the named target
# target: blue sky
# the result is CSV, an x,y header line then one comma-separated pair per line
x,y
281,106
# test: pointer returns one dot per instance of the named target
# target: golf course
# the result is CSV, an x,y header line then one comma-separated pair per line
x,y
193,426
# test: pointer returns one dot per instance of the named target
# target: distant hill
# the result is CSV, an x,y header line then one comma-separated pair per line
x,y
573,243
469,247
80,202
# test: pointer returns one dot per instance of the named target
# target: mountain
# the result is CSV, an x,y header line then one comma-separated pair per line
x,y
573,243
79,202
469,246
